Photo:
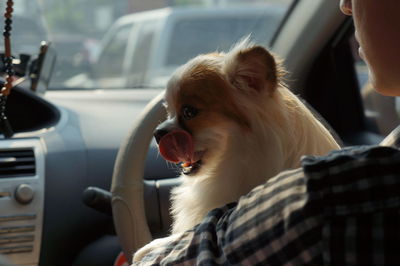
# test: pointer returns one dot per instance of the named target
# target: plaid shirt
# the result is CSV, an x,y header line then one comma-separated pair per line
x,y
342,209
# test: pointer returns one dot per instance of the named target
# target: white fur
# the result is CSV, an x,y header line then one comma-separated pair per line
x,y
282,130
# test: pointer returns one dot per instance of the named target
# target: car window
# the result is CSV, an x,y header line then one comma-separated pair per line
x,y
142,54
77,30
193,36
111,61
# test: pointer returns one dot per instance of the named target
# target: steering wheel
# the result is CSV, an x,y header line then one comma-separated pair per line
x,y
127,182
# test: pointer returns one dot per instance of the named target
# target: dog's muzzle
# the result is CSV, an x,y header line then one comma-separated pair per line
x,y
159,133
175,144
163,129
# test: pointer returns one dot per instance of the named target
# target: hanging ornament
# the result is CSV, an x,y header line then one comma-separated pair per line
x,y
5,126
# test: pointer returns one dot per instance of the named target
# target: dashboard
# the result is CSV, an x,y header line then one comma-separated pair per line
x,y
64,142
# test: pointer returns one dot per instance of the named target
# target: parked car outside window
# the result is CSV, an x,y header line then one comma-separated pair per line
x,y
160,40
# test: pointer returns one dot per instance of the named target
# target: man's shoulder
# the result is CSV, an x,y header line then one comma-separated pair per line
x,y
357,192
351,157
355,180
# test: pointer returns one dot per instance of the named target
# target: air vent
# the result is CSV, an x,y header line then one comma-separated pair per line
x,y
17,162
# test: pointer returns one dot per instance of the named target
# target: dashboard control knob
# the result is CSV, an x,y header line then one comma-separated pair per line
x,y
24,193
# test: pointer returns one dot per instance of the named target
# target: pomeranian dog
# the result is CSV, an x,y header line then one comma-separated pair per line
x,y
232,124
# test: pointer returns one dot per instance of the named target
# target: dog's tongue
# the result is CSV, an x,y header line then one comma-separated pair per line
x,y
177,146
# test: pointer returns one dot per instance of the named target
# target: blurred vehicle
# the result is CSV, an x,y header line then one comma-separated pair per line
x,y
143,49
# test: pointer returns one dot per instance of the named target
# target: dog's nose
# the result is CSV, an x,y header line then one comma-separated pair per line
x,y
159,133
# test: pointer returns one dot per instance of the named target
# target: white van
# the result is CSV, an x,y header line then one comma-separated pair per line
x,y
143,49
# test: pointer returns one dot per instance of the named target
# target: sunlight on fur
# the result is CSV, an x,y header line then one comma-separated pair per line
x,y
232,124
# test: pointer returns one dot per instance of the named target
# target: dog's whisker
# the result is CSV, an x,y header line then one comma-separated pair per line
x,y
172,166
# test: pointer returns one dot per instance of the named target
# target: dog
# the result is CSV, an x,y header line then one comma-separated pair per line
x,y
232,124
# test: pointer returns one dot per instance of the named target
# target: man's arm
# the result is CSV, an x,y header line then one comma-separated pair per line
x,y
248,232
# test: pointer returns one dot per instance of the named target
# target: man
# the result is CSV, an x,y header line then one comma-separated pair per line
x,y
340,209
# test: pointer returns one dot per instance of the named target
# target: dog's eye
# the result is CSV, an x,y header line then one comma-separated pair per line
x,y
188,112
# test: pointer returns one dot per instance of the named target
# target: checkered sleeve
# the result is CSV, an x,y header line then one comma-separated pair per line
x,y
342,209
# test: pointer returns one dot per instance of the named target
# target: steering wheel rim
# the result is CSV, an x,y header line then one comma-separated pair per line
x,y
127,182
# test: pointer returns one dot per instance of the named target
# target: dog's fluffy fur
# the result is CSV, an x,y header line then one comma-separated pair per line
x,y
247,128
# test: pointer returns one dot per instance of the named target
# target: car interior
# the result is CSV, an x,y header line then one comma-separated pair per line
x,y
81,178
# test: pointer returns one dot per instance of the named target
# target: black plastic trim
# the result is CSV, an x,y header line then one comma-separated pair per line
x,y
27,111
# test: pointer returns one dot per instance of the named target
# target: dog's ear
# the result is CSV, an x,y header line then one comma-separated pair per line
x,y
252,67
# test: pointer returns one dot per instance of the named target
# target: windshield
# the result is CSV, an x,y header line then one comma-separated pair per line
x,y
103,44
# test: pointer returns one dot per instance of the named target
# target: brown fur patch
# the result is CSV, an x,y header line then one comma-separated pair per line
x,y
205,89
263,66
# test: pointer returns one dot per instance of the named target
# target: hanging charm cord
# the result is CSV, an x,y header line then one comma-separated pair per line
x,y
5,126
